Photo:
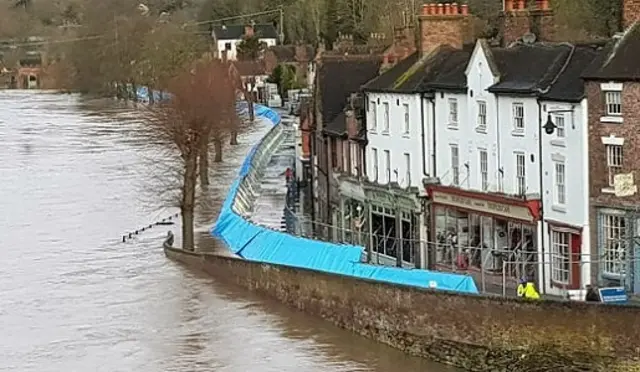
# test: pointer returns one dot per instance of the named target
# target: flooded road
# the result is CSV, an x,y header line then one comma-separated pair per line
x,y
73,297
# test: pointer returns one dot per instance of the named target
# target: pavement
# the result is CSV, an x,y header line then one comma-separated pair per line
x,y
269,206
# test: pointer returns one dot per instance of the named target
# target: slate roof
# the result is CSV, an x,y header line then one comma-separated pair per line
x,y
619,59
236,32
529,68
337,79
569,86
443,68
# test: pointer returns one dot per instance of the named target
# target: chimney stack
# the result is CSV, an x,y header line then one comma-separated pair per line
x,y
630,12
518,20
444,24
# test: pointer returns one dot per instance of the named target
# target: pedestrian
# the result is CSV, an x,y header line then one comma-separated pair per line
x,y
592,294
526,289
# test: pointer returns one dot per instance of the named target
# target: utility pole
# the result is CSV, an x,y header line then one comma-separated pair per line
x,y
281,24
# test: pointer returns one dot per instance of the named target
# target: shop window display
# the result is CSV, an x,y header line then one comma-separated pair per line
x,y
468,241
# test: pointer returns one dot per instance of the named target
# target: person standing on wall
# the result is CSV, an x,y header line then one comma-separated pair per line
x,y
526,289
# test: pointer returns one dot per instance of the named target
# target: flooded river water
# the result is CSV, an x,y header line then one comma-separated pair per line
x,y
73,297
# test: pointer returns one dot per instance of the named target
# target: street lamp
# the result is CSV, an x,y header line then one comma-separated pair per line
x,y
549,128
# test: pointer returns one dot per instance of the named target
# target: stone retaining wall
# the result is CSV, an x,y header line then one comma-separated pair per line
x,y
474,332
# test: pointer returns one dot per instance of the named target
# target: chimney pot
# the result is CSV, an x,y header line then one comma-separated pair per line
x,y
543,5
434,8
521,5
440,8
386,59
426,9
508,5
447,8
454,9
464,9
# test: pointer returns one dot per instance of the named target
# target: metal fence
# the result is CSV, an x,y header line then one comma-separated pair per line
x,y
496,271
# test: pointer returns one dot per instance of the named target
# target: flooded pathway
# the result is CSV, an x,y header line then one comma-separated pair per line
x,y
75,176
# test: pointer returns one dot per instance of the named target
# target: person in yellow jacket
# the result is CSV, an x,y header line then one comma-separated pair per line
x,y
526,289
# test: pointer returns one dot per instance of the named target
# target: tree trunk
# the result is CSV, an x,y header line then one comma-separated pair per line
x,y
217,143
189,201
234,137
204,165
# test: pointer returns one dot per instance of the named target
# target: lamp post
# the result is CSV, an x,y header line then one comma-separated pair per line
x,y
549,128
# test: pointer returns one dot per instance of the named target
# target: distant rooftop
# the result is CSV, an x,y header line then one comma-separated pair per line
x,y
236,32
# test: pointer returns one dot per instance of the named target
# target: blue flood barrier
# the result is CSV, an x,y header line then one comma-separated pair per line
x,y
260,244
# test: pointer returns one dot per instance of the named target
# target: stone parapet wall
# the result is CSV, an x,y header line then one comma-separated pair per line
x,y
474,332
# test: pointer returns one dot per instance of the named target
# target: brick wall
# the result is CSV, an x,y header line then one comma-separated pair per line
x,y
474,332
630,12
598,171
531,17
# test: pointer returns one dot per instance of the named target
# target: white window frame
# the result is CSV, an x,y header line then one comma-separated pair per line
x,y
374,121
482,115
355,158
407,123
385,129
518,117
521,173
560,257
560,183
615,244
455,164
407,164
387,165
612,102
483,157
453,112
615,159
374,156
561,127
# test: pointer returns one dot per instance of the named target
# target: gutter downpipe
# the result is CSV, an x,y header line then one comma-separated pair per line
x,y
431,253
540,168
541,180
424,145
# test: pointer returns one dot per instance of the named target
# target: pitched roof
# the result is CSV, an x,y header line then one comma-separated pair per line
x,y
236,32
442,68
529,68
450,73
339,77
619,60
569,86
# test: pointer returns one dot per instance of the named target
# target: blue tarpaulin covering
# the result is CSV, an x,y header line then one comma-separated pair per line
x,y
257,243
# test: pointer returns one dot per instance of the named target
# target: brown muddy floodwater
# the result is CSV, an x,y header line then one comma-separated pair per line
x,y
73,297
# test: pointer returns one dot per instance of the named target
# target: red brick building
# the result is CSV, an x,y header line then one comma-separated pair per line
x,y
613,91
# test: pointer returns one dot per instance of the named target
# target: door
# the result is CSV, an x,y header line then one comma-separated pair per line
x,y
576,262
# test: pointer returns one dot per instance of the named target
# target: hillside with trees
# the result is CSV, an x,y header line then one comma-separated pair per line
x,y
91,42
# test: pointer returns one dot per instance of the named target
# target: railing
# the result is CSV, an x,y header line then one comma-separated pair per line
x,y
254,242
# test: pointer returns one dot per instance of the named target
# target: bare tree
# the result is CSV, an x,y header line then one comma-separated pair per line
x,y
202,102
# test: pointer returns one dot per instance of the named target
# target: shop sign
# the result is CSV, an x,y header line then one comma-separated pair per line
x,y
352,190
483,206
392,201
613,295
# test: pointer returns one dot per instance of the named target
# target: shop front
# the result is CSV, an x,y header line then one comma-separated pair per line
x,y
492,234
386,221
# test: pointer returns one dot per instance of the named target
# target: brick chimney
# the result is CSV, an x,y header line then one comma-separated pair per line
x,y
520,17
444,24
248,31
630,12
